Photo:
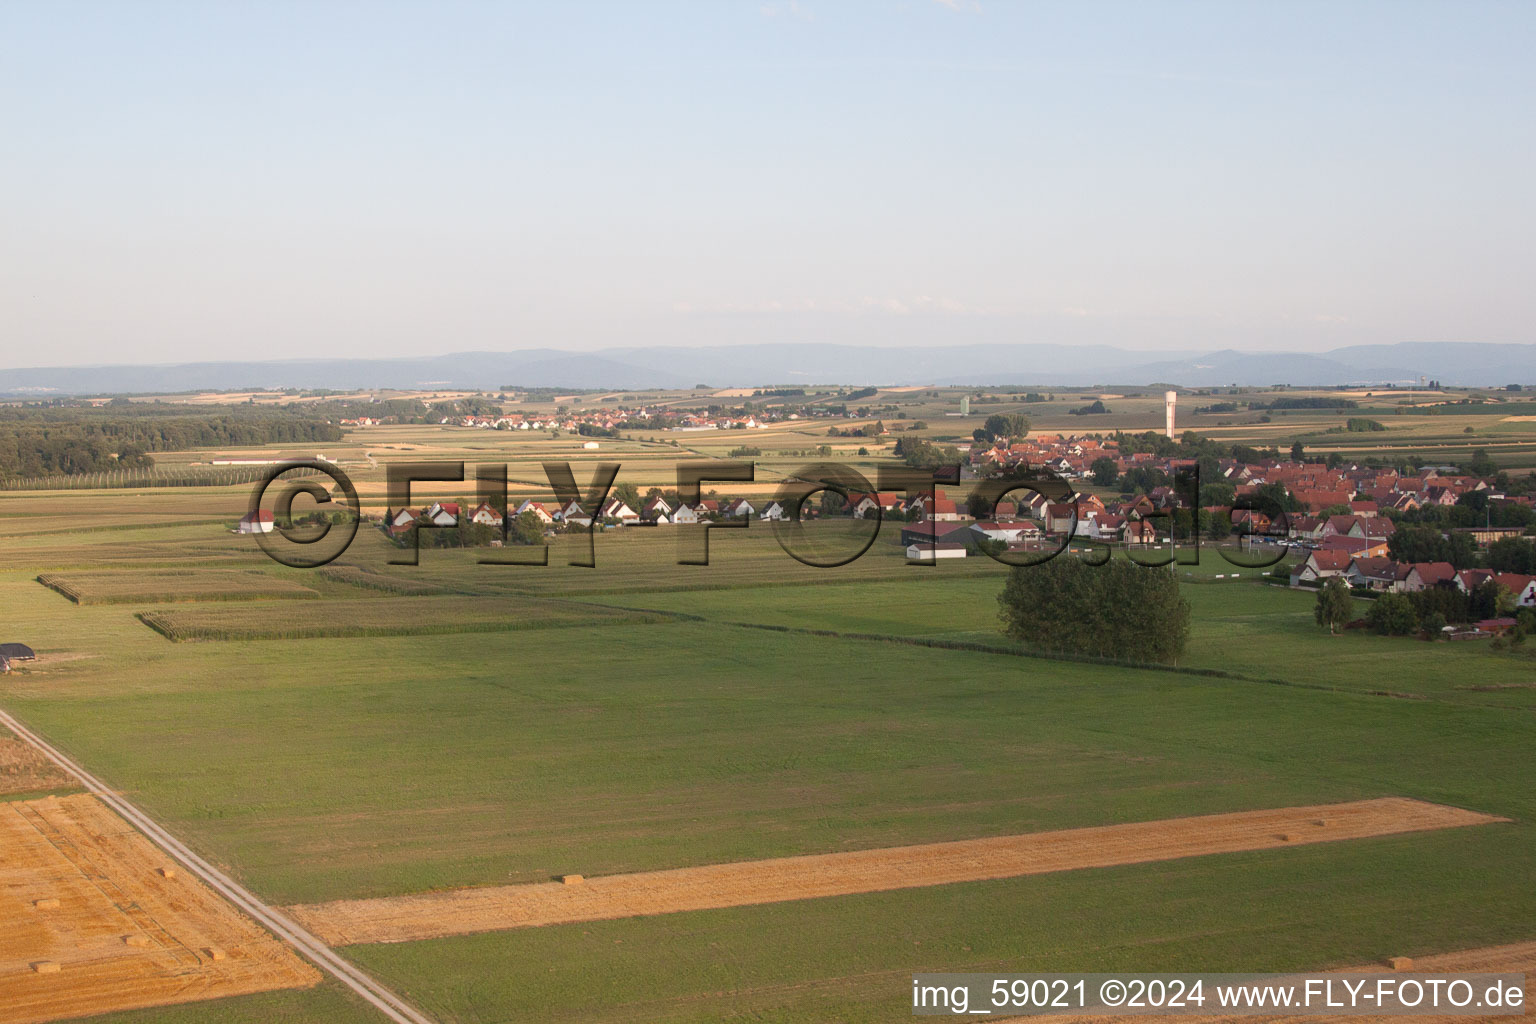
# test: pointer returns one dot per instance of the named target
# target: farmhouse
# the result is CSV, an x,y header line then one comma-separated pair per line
x,y
442,514
1374,574
885,501
485,515
573,513
401,521
615,508
1321,565
259,521
741,508
1140,531
1107,526
1423,575
1522,588
944,510
537,508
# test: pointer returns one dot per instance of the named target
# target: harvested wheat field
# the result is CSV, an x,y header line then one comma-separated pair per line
x,y
97,919
458,912
1519,958
24,770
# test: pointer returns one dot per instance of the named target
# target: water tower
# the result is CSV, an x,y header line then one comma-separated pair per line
x,y
1170,399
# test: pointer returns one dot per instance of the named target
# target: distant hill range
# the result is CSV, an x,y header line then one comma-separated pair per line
x,y
792,364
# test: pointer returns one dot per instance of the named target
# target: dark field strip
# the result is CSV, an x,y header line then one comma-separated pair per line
x,y
175,585
402,616
359,577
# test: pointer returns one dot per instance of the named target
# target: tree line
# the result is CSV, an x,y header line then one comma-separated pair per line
x,y
73,439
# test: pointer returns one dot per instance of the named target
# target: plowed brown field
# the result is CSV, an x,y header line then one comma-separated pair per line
x,y
1516,959
458,912
92,925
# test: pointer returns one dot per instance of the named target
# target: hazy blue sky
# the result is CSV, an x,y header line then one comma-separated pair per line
x,y
243,180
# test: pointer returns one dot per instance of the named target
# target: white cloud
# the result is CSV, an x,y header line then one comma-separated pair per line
x,y
972,6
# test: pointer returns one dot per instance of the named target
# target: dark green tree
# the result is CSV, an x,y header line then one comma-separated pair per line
x,y
1480,464
526,529
1432,625
1117,610
629,494
1393,615
1335,607
1512,554
1006,424
1104,471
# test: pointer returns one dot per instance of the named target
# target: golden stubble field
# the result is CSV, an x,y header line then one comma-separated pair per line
x,y
97,919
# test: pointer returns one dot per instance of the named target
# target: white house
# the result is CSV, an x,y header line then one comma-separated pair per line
x,y
1103,526
740,508
775,511
685,515
931,552
886,501
259,521
442,513
615,508
485,515
538,509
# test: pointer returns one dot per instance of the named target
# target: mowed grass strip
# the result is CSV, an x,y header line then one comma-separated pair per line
x,y
172,585
439,914
402,616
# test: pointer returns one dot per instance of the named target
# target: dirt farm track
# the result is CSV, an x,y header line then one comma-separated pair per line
x,y
457,912
97,919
